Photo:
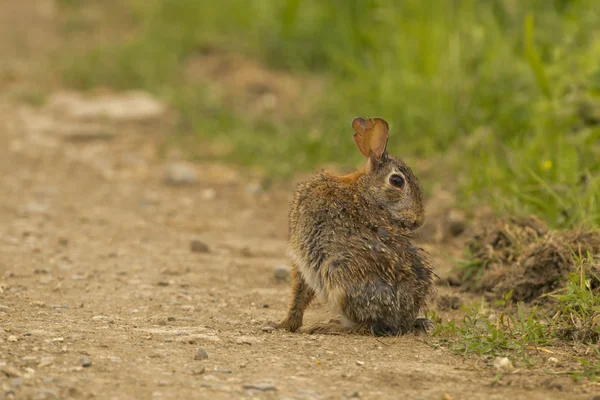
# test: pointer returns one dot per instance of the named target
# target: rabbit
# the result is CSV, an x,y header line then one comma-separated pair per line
x,y
350,240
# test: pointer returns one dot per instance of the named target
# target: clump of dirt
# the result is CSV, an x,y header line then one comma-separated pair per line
x,y
525,257
446,302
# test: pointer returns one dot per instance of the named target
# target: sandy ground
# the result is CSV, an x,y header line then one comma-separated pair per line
x,y
102,296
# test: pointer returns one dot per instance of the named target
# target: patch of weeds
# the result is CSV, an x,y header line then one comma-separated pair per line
x,y
512,330
578,305
589,369
483,333
523,256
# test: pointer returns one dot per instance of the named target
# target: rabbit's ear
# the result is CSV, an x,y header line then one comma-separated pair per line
x,y
378,138
362,136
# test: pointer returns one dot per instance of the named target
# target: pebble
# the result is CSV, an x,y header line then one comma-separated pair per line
x,y
198,371
222,371
261,387
502,364
247,340
201,354
11,372
254,188
198,246
267,328
85,362
45,361
208,194
12,338
360,363
180,174
282,273
552,361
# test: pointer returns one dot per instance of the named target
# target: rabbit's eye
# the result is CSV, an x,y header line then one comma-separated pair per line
x,y
397,181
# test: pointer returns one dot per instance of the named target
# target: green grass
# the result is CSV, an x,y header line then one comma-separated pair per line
x,y
503,95
506,334
518,332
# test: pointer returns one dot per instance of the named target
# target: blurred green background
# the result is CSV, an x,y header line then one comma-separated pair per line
x,y
498,100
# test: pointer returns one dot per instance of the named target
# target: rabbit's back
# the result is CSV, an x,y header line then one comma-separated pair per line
x,y
356,260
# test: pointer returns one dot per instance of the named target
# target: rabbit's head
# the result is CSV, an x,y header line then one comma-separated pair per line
x,y
387,182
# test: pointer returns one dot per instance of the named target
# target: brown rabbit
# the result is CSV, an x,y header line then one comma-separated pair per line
x,y
350,237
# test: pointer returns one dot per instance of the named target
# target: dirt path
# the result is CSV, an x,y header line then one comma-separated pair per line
x,y
102,297
97,267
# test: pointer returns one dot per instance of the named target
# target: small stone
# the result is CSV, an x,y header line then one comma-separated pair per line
x,y
282,273
171,319
208,194
247,340
85,362
179,174
222,371
360,363
10,372
12,338
502,364
197,246
201,354
168,340
45,361
198,371
552,361
267,328
260,387
254,188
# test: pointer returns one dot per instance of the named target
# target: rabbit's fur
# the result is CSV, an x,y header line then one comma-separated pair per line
x,y
350,238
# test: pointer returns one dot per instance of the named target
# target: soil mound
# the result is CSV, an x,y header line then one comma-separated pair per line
x,y
523,255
